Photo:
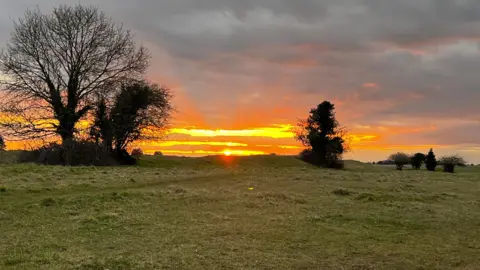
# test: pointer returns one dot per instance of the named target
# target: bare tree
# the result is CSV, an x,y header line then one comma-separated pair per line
x,y
56,66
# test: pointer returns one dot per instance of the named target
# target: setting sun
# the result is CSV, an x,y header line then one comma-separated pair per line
x,y
227,153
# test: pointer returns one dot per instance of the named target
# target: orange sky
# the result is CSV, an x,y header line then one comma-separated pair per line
x,y
403,75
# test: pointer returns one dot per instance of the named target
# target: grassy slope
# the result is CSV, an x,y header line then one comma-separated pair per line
x,y
201,213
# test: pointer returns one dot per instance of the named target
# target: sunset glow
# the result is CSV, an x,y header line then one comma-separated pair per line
x,y
402,76
279,131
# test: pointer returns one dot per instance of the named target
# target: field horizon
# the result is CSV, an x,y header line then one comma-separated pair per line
x,y
218,212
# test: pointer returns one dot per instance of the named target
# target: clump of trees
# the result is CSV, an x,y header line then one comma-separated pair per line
x,y
77,64
400,160
323,136
450,162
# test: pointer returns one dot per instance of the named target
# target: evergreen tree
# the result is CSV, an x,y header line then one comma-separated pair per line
x,y
431,161
324,136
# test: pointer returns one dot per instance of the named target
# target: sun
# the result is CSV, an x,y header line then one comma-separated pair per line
x,y
227,153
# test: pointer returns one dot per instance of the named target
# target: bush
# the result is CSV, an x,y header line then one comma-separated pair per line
x,y
82,153
450,162
417,160
400,160
158,153
137,152
310,157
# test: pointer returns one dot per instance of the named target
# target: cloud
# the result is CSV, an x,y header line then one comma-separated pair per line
x,y
245,64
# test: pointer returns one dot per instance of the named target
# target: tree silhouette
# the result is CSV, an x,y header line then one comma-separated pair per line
x,y
323,135
57,64
450,162
431,161
400,160
2,143
138,110
417,160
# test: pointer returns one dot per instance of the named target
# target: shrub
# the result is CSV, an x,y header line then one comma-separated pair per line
x,y
137,152
82,153
158,153
400,160
341,192
417,160
309,156
450,162
3,189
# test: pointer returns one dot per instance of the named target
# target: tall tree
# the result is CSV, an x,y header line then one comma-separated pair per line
x,y
322,133
57,64
431,161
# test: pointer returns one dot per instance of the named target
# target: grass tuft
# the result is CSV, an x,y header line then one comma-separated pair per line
x,y
342,192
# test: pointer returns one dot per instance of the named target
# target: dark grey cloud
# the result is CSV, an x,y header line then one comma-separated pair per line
x,y
422,55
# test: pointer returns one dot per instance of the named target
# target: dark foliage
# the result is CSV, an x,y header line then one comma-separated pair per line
x,y
386,162
82,153
342,192
310,157
324,137
400,160
449,168
450,162
138,110
137,152
431,161
417,160
2,143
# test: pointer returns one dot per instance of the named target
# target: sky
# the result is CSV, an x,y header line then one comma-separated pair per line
x,y
404,75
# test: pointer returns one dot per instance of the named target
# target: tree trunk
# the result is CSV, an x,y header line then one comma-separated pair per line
x,y
449,168
67,145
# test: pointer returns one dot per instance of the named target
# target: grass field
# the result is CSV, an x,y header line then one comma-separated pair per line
x,y
237,213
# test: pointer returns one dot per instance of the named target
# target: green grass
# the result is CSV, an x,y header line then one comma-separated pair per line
x,y
241,213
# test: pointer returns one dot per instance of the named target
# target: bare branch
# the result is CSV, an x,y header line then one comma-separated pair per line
x,y
64,60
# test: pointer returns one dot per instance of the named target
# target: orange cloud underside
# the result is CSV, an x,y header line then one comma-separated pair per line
x,y
278,139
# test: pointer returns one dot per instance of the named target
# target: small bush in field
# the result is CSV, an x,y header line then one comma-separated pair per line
x,y
158,153
400,160
450,162
137,152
